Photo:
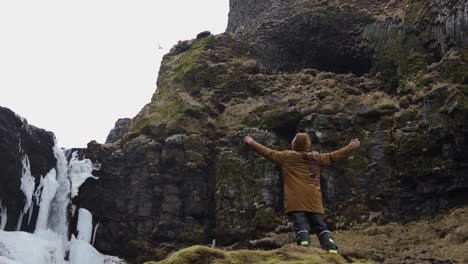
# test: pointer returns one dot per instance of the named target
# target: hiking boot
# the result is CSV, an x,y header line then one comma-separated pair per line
x,y
327,242
302,238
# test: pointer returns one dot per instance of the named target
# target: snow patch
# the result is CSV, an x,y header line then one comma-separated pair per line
x,y
80,171
83,252
4,260
26,248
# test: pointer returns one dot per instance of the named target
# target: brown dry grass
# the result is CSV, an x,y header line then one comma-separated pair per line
x,y
428,241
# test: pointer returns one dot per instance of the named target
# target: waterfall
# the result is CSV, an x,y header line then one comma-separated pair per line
x,y
47,189
61,202
50,243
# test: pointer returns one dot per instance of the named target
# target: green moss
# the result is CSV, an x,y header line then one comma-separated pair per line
x,y
169,106
233,193
358,164
265,220
189,59
418,12
150,156
229,175
169,109
404,54
192,234
196,158
238,193
193,255
362,209
287,255
140,251
458,72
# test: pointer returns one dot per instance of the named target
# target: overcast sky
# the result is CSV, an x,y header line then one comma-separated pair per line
x,y
75,67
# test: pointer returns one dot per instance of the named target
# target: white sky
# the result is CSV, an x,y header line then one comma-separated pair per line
x,y
75,67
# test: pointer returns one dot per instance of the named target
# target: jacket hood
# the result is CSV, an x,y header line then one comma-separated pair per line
x,y
302,142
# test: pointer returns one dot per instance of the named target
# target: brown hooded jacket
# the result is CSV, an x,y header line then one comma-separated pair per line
x,y
301,172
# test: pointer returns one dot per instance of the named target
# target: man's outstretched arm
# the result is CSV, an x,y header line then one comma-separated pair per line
x,y
272,155
326,159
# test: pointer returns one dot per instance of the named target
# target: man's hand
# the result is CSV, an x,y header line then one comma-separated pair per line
x,y
248,139
355,143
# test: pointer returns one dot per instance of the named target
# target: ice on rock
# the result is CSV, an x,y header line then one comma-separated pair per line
x,y
27,184
19,223
48,188
3,216
85,225
5,260
49,244
83,252
113,260
80,171
94,234
60,204
27,248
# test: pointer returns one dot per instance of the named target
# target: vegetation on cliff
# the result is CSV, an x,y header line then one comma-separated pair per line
x,y
190,179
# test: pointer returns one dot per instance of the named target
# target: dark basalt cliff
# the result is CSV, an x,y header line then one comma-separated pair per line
x,y
392,73
18,139
395,38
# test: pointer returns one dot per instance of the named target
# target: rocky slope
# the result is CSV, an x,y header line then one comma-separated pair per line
x,y
392,73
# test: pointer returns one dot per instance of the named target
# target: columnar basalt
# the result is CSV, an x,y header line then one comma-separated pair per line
x,y
392,73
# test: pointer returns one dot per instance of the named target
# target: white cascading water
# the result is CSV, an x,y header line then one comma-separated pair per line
x,y
60,204
46,191
50,244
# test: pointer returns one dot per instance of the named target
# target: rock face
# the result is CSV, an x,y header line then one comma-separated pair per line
x,y
17,140
391,73
394,37
158,188
120,128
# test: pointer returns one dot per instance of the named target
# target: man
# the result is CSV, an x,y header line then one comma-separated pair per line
x,y
302,195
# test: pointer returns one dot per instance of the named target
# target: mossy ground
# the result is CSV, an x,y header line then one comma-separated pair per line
x,y
290,254
443,239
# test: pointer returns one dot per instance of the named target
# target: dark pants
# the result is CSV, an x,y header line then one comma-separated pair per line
x,y
301,223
